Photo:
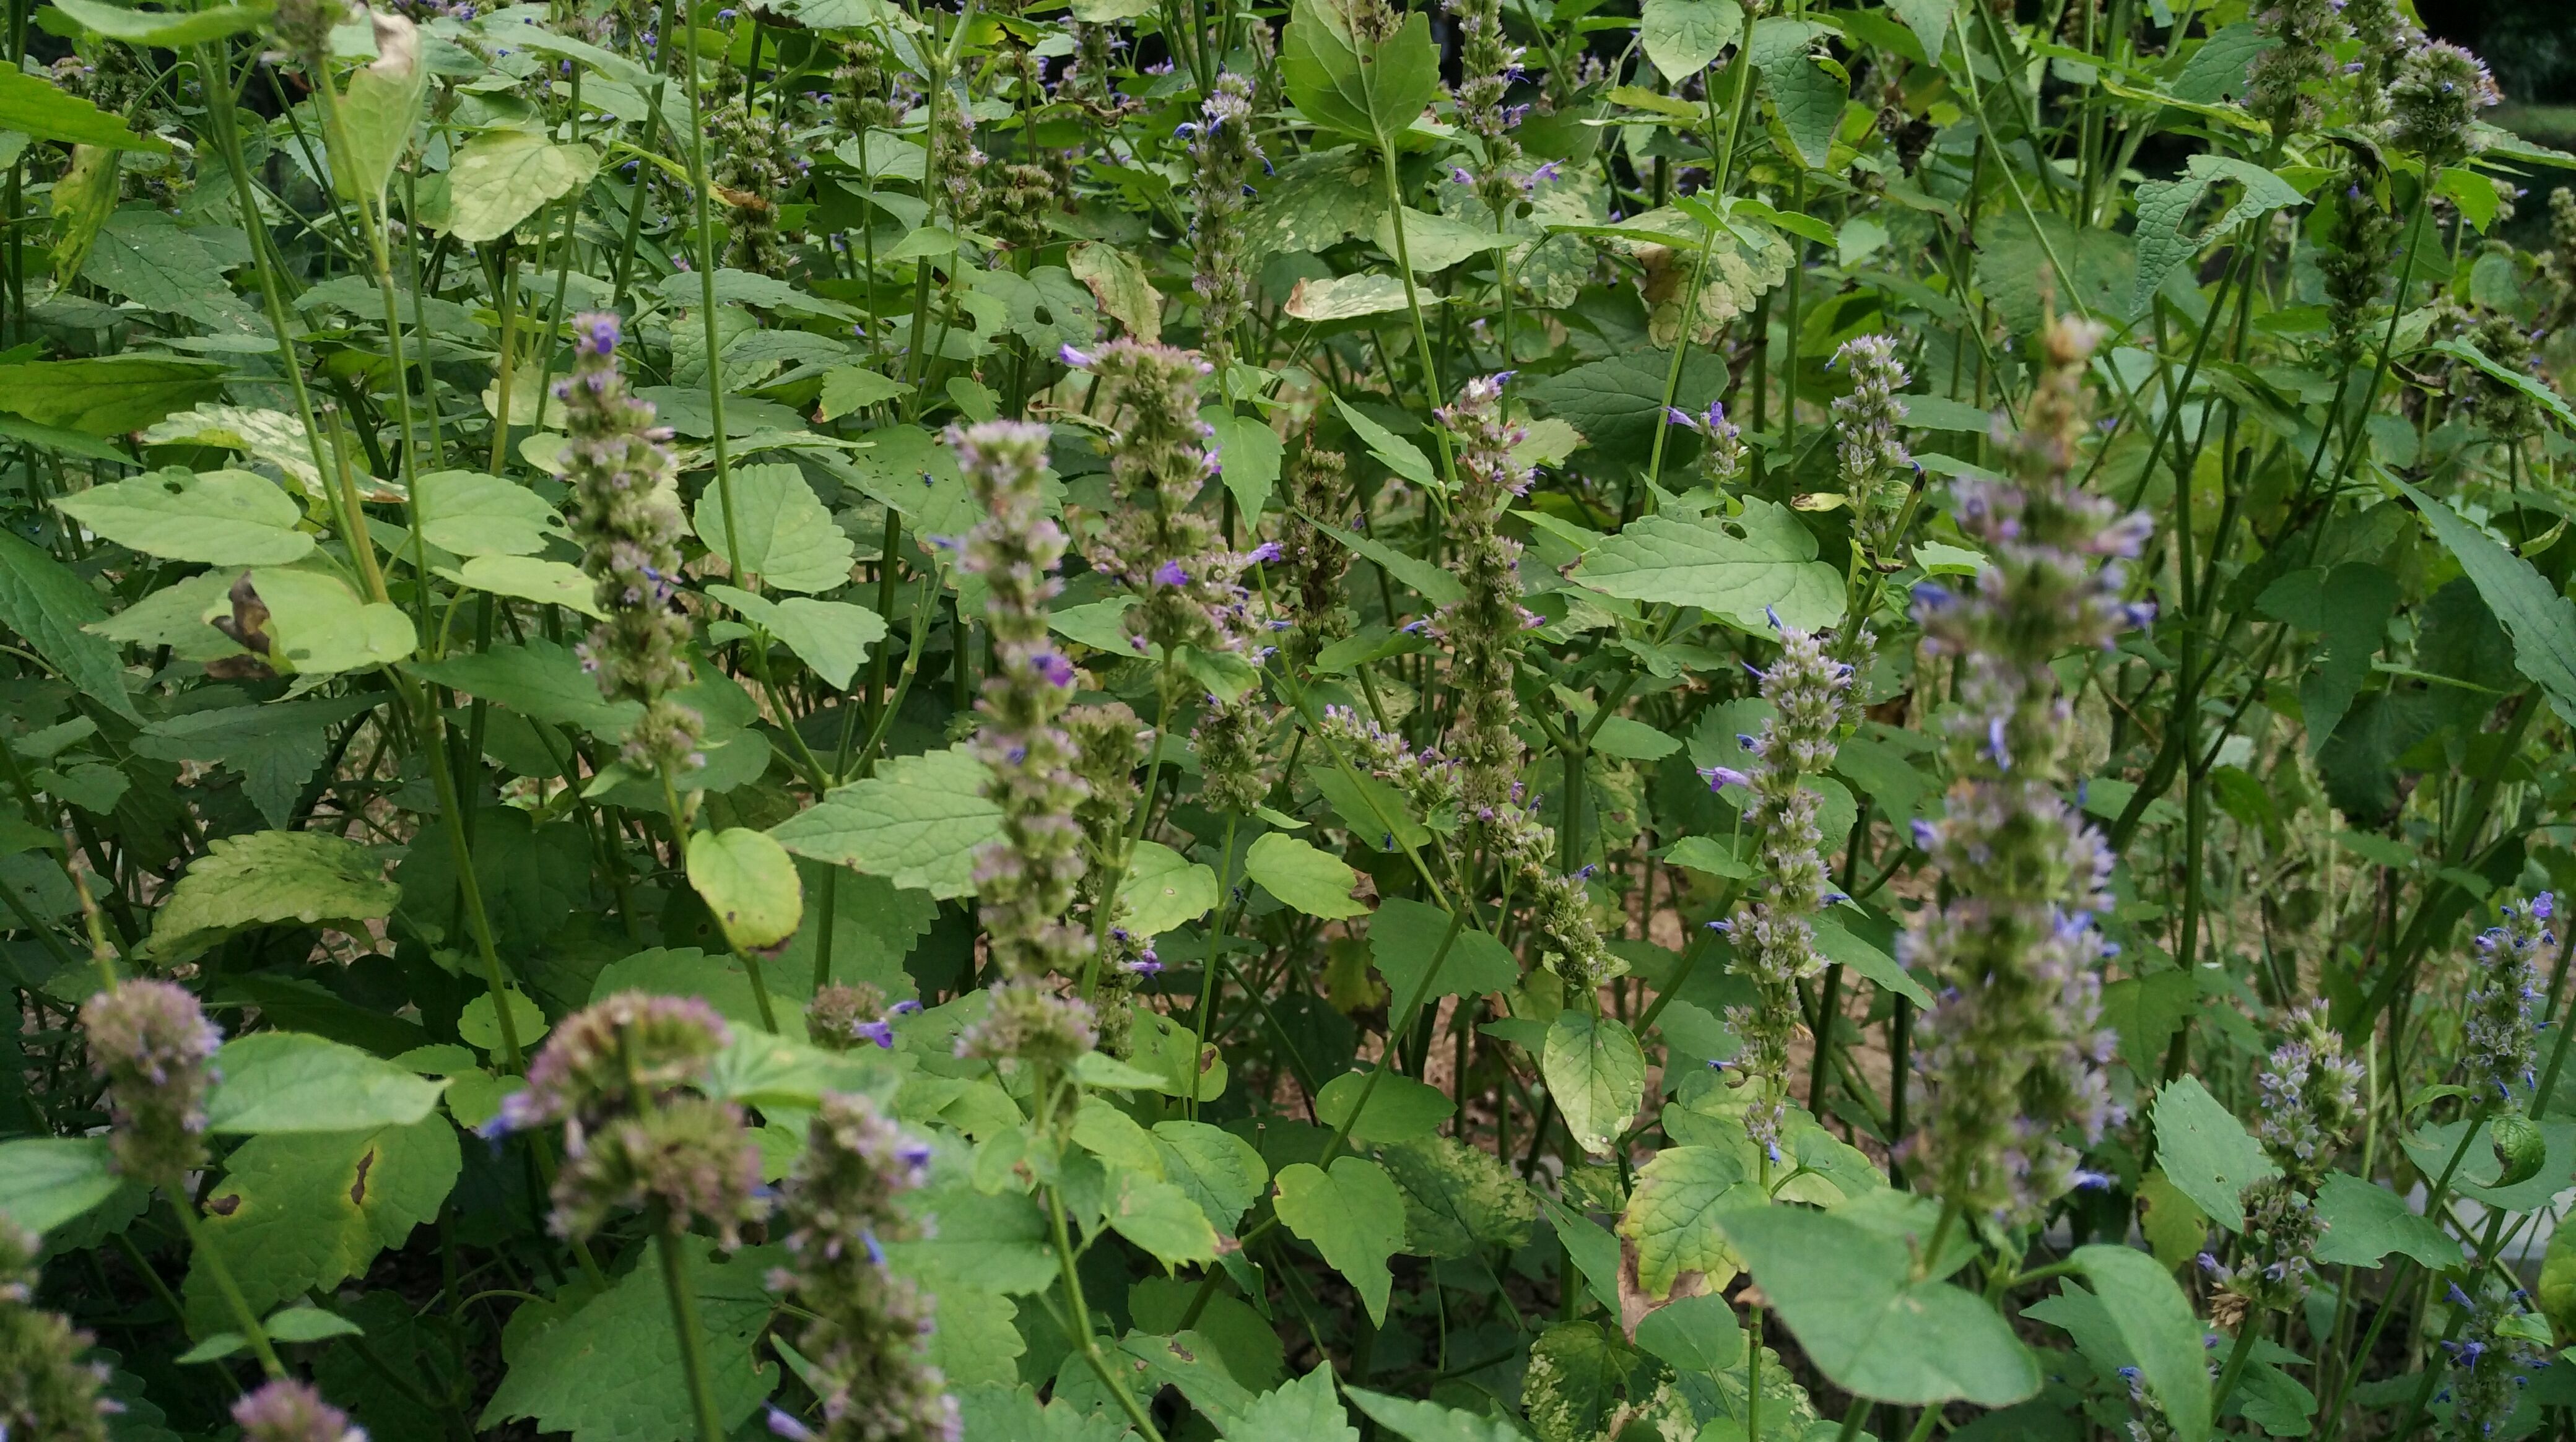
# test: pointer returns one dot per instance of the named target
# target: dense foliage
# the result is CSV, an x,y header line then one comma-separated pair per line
x,y
1715,719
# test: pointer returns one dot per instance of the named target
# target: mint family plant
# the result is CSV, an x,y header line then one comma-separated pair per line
x,y
1705,719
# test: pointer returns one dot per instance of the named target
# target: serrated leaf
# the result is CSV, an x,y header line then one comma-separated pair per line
x,y
318,626
529,578
1404,935
1306,1410
1163,889
1845,1291
501,177
1317,200
1248,454
2165,206
2366,1221
918,822
288,1081
994,1244
1353,1215
1744,571
48,1181
269,878
1809,104
144,255
265,435
2156,1322
1120,286
473,514
50,608
1319,300
1363,89
1222,1172
1418,1421
1399,1109
1458,1198
832,637
1597,1073
1313,881
2541,621
1672,1217
1616,403
47,112
1161,1218
2206,1153
311,1210
788,540
749,883
1682,36
538,679
610,1370
848,388
219,518
379,110
275,748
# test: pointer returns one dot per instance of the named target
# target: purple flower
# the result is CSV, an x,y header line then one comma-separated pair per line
x,y
1170,573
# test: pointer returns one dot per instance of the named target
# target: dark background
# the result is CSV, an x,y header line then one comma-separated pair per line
x,y
2529,44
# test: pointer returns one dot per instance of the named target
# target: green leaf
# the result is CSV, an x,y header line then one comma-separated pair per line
x,y
1434,584
1163,889
2156,1322
832,637
47,1181
2011,259
1741,571
308,1323
1579,1374
166,29
2366,1221
1417,1421
1311,880
275,748
473,514
1694,1334
265,435
1121,287
848,388
788,540
1161,1218
104,395
270,878
45,111
1306,1410
918,823
2541,621
220,518
747,879
1405,934
2536,390
1171,1052
1248,453
378,113
530,578
2205,1152
2165,206
145,256
992,1244
287,1081
1397,454
1809,104
1354,1216
1843,948
1222,1172
1616,402
1597,1073
1368,91
50,608
1400,1109
480,1022
1631,740
501,177
610,1369
309,1211
719,981
1590,1246
1672,1217
538,679
1682,36
1844,1290
317,626
1458,1198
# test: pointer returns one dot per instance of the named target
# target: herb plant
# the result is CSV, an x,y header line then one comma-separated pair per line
x,y
1705,719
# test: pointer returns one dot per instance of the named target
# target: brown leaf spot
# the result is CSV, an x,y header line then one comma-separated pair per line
x,y
358,1192
226,1205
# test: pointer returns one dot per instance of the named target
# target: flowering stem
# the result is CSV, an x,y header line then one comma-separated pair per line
x,y
684,1326
185,1210
1081,1323
1413,307
1216,937
2237,1356
1725,150
707,315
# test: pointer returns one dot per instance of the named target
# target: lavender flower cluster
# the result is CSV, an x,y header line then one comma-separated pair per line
x,y
870,1330
1720,462
1876,467
46,1391
2016,1045
150,1041
290,1411
1484,627
1223,151
1775,942
2499,1046
625,513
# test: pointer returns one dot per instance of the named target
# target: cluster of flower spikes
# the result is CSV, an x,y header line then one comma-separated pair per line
x,y
2558,263
1157,544
613,1074
2505,412
1230,742
1223,151
1434,785
1311,564
2311,1101
46,1391
2434,102
150,1041
1109,744
290,1411
844,1016
863,92
2386,35
2275,1259
2491,1361
954,160
2016,1045
1877,470
1775,941
1483,629
755,164
868,1337
1027,880
1487,65
1720,462
2360,236
626,516
2279,84
2499,1047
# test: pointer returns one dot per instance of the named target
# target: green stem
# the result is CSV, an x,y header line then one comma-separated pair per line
x,y
216,1267
684,1326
